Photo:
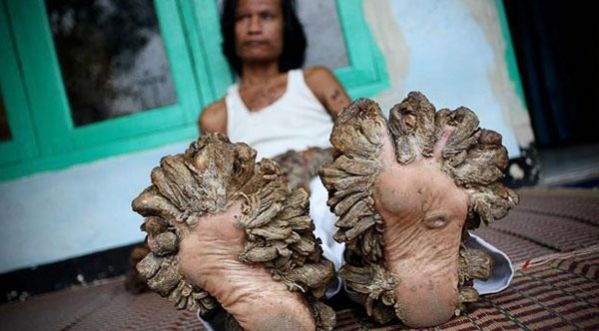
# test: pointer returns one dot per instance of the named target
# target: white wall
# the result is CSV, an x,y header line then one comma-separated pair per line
x,y
52,216
454,52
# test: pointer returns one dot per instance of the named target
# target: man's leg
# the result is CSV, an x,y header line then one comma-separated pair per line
x,y
406,190
225,231
502,272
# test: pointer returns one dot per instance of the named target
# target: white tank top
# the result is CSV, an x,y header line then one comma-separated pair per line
x,y
297,120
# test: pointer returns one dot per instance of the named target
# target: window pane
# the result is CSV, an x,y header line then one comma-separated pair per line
x,y
4,129
111,56
326,44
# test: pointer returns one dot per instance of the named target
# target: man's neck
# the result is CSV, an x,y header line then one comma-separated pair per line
x,y
259,73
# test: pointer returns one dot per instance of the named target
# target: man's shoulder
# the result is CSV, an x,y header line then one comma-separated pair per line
x,y
318,73
321,81
327,89
214,116
217,106
214,111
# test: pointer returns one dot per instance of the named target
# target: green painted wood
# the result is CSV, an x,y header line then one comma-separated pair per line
x,y
510,55
77,157
123,127
367,74
39,64
22,145
194,46
173,34
201,20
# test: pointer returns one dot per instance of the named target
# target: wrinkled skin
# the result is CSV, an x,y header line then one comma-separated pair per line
x,y
424,212
405,191
227,232
301,167
208,256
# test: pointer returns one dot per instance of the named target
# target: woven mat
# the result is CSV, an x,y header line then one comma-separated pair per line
x,y
561,293
552,237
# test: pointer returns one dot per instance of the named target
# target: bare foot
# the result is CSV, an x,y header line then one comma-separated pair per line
x,y
424,212
225,229
404,191
209,258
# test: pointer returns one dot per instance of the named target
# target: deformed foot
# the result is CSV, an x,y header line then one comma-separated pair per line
x,y
209,257
300,167
405,191
225,231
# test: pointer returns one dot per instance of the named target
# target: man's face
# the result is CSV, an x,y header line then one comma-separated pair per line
x,y
259,30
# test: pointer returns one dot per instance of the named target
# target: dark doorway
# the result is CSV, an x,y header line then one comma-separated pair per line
x,y
557,48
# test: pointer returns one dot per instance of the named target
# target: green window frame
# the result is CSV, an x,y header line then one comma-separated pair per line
x,y
367,73
59,143
43,134
20,147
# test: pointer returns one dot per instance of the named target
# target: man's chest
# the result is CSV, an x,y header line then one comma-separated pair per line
x,y
258,97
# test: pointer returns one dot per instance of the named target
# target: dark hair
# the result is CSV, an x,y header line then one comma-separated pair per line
x,y
294,38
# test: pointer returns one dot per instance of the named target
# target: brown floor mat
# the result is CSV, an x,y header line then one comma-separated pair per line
x,y
552,237
546,295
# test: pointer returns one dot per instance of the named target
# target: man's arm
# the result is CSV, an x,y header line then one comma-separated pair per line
x,y
214,118
327,89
